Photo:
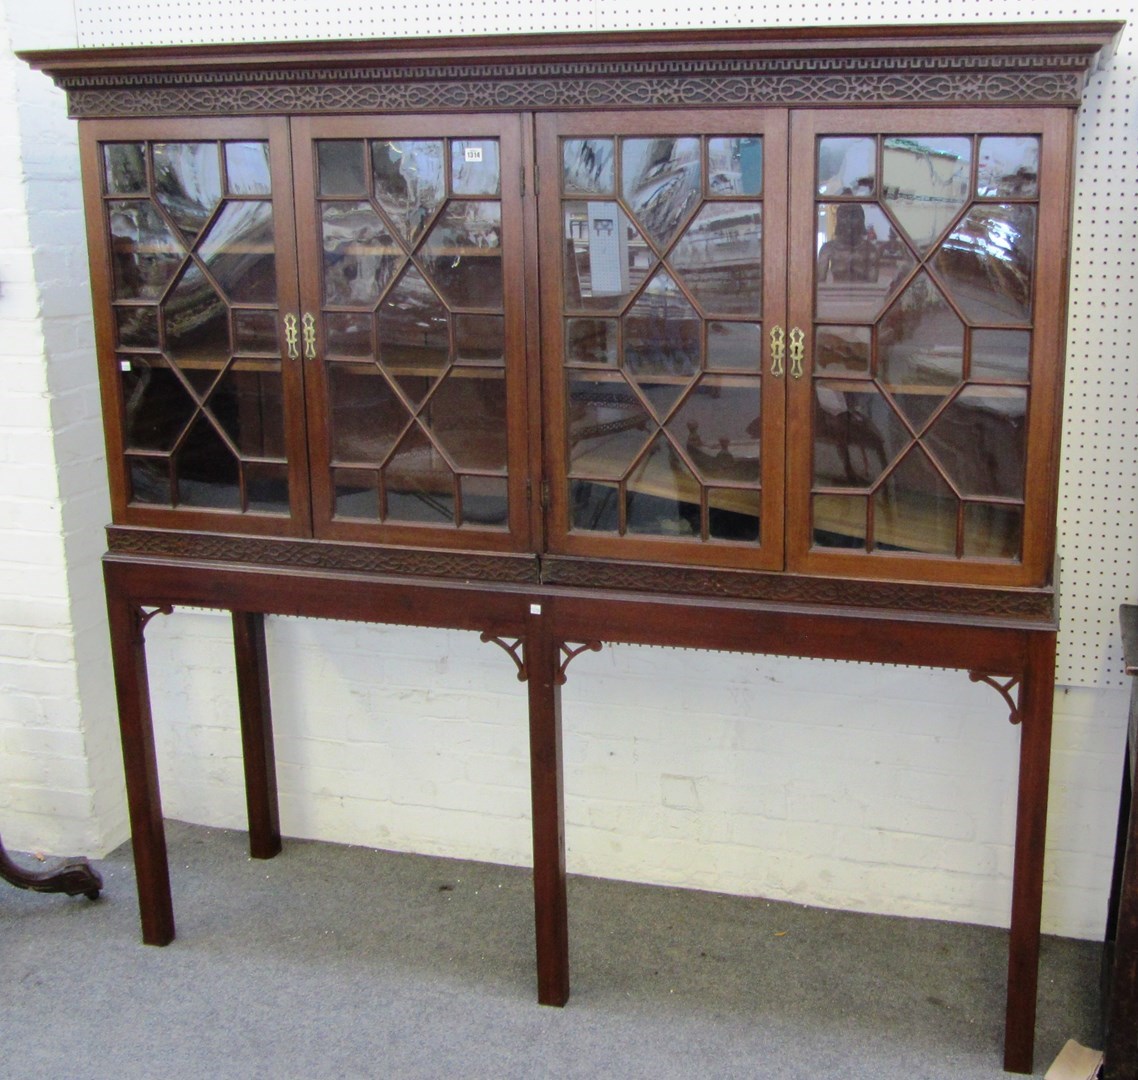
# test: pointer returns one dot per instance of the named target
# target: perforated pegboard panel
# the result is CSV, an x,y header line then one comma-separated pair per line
x,y
1097,525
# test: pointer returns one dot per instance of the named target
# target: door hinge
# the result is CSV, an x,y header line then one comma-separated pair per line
x,y
523,172
545,494
537,179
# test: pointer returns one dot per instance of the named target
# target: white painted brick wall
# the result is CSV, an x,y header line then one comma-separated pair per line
x,y
846,785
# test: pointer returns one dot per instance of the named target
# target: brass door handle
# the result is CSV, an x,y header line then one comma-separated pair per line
x,y
797,352
308,324
778,351
291,336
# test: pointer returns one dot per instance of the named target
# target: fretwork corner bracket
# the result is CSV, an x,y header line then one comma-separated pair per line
x,y
569,651
144,615
515,649
1004,686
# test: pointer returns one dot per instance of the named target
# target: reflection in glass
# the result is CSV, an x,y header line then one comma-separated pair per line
x,y
661,183
847,165
408,182
247,168
734,514
993,531
920,348
718,426
591,341
474,167
156,406
356,493
249,404
662,496
735,165
979,441
150,480
347,333
1008,167
485,501
594,506
720,258
467,415
662,332
256,332
734,346
413,333
606,258
124,168
587,166
861,261
418,483
842,350
360,256
187,182
915,510
144,253
196,321
989,262
463,255
266,487
480,339
608,426
925,182
840,521
366,414
136,327
1001,355
340,167
238,249
856,434
208,474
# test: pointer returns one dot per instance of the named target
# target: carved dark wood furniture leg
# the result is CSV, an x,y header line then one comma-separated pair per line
x,y
1037,693
543,667
257,734
148,836
74,877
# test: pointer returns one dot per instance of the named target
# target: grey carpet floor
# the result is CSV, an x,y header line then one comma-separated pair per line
x,y
335,961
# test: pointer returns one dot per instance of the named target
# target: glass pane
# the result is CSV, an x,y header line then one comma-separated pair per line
x,y
591,341
366,414
992,531
356,493
360,256
419,484
136,327
661,333
920,345
718,425
661,180
266,486
856,434
156,406
979,440
587,166
720,258
208,474
842,350
840,521
150,481
414,334
125,168
734,346
733,515
915,510
989,262
238,249
608,426
463,257
861,262
847,166
247,168
606,258
485,501
662,496
735,165
474,167
594,506
1008,167
1001,355
197,321
256,332
467,415
340,167
348,333
187,180
249,404
925,181
144,253
480,339
409,182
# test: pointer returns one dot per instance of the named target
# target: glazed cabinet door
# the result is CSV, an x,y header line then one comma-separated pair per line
x,y
190,233
663,285
926,311
413,330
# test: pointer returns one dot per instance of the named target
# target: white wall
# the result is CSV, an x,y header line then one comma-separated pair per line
x,y
846,785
